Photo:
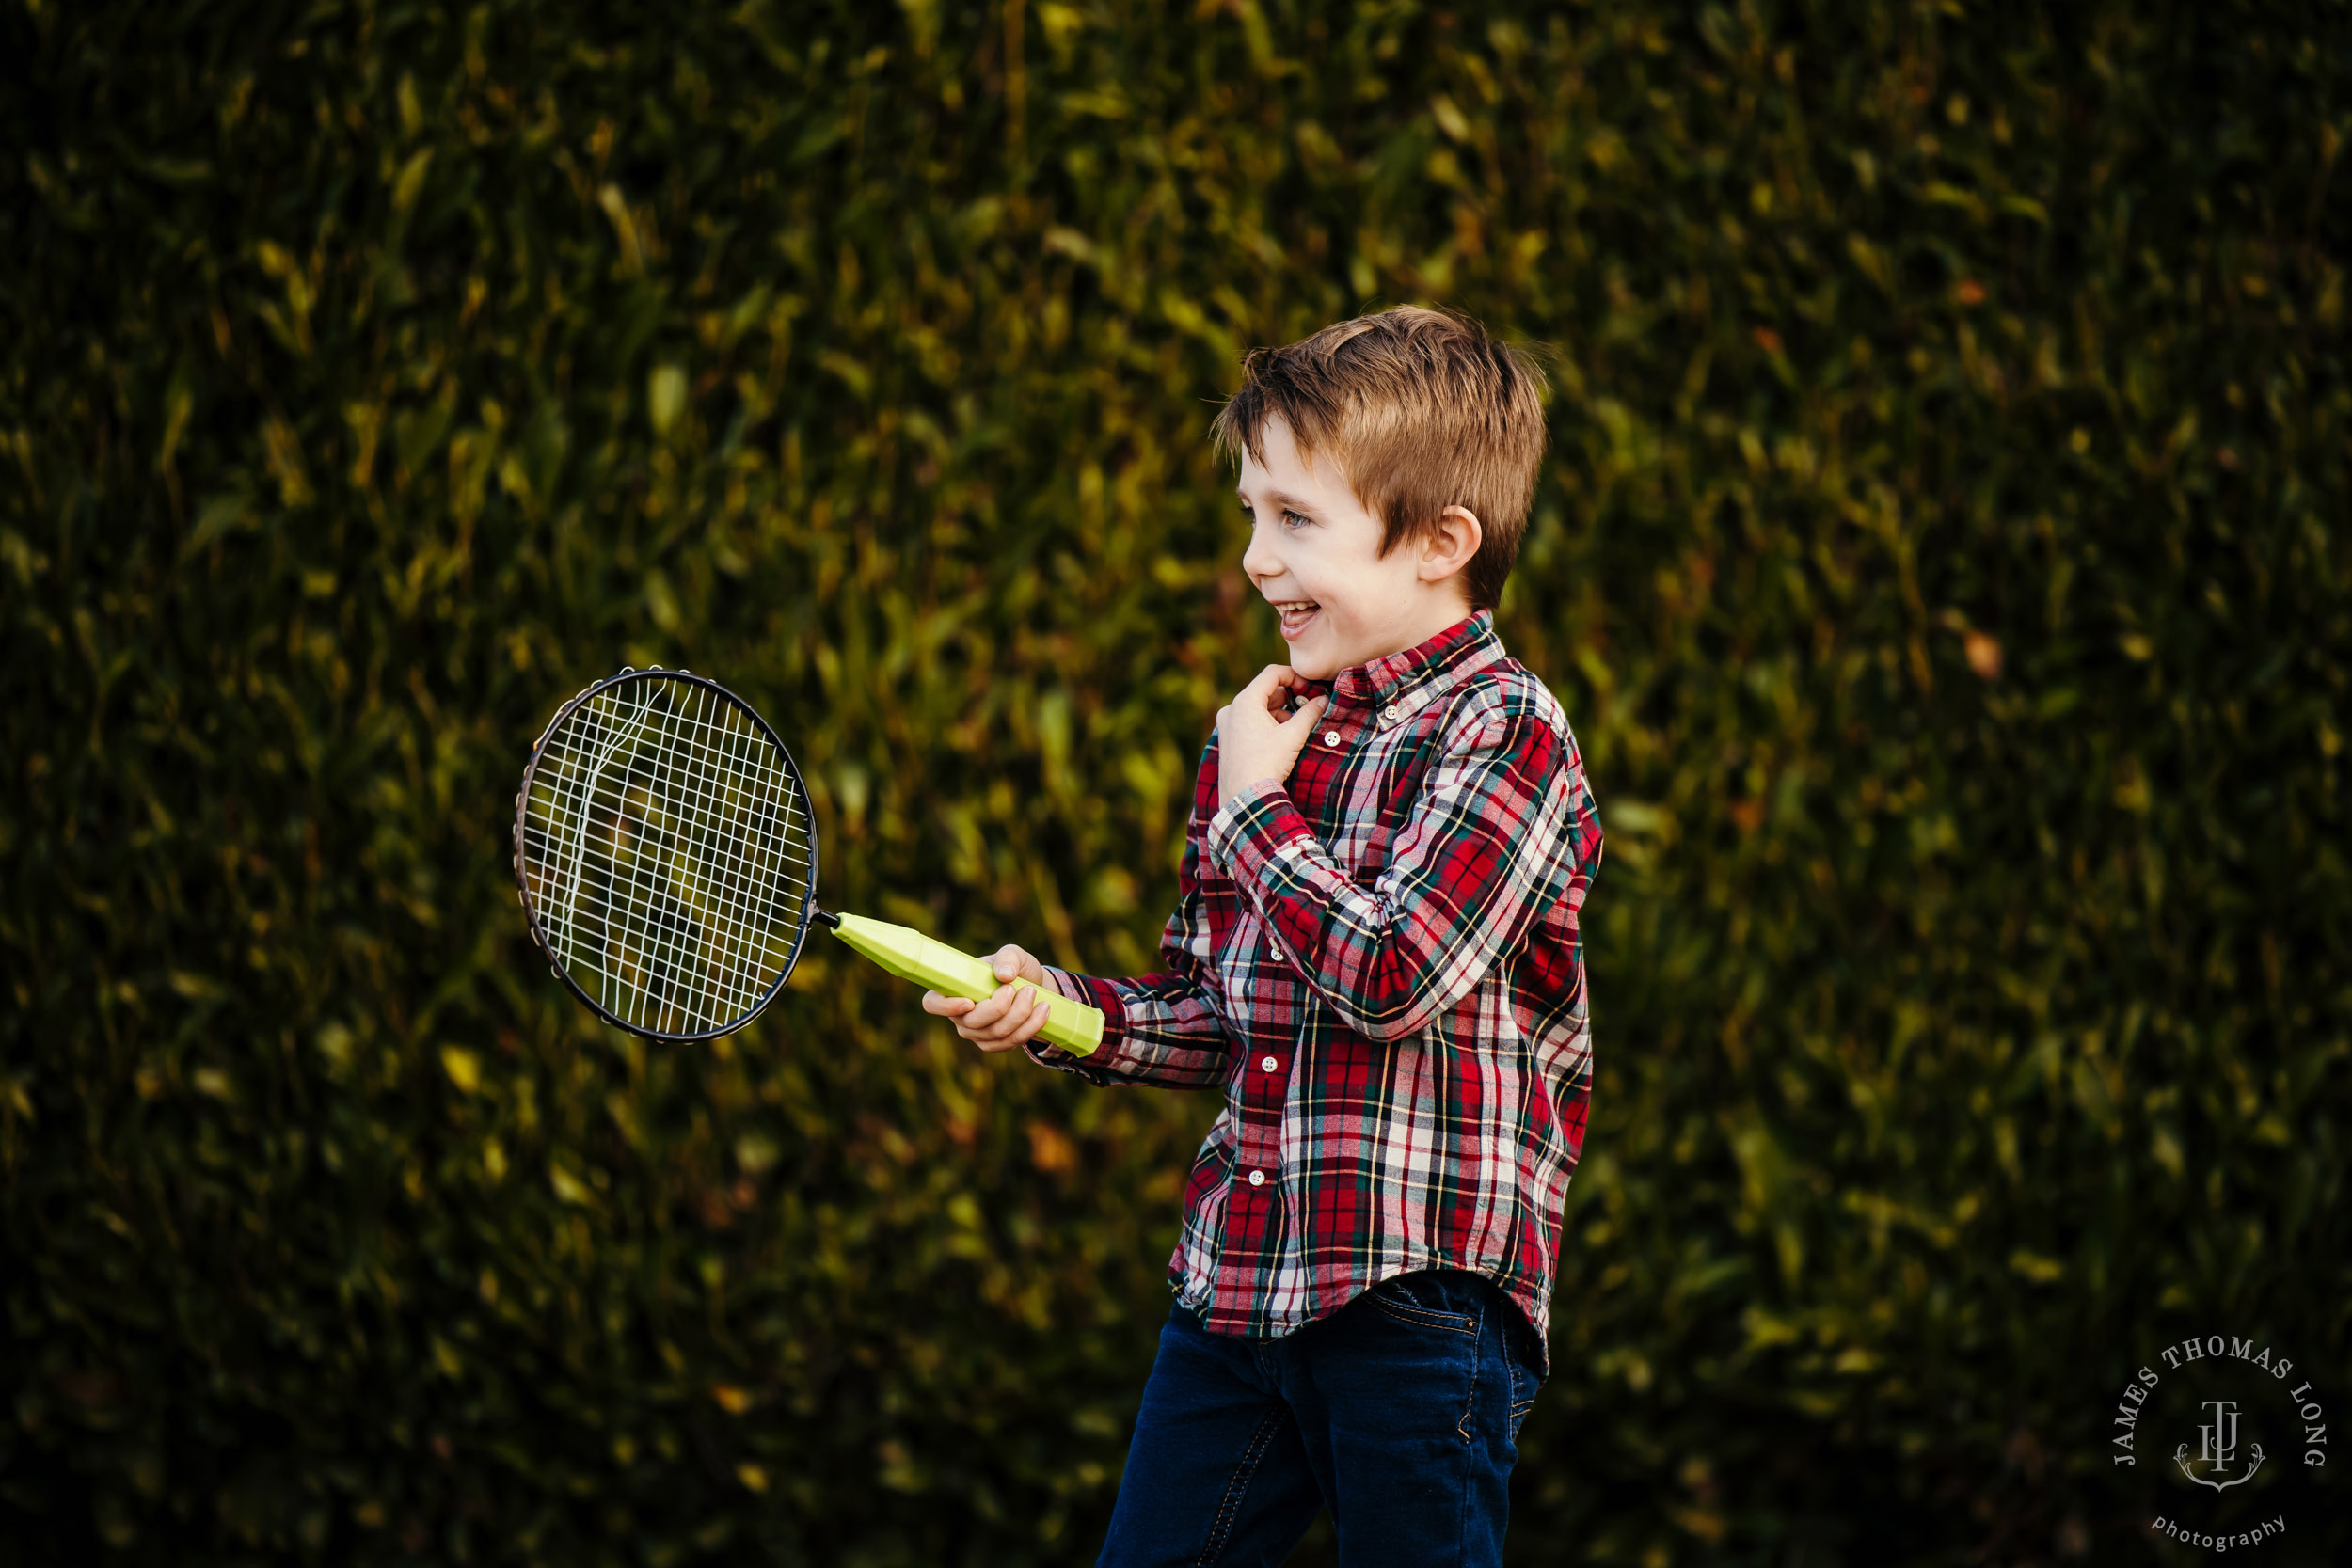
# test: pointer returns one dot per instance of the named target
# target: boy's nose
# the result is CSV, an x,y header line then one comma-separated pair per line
x,y
1257,562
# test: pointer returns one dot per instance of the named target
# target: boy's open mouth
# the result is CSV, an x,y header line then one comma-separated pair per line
x,y
1295,614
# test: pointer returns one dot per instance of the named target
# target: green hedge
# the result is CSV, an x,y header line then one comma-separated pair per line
x,y
1943,561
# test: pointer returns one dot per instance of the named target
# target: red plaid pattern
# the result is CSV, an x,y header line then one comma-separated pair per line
x,y
1394,1008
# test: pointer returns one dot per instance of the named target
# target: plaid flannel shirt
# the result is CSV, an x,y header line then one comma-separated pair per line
x,y
1394,1004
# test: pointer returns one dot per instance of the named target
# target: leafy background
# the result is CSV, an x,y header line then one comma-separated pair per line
x,y
1943,559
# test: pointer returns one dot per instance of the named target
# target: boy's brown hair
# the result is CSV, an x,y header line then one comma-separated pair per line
x,y
1422,410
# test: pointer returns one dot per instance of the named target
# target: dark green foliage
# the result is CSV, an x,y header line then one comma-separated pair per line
x,y
1944,561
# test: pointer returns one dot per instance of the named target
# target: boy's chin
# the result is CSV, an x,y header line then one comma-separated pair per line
x,y
1318,656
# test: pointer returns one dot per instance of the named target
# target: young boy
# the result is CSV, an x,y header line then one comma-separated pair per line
x,y
1375,955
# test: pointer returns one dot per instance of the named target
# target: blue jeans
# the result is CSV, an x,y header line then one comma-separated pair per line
x,y
1401,1412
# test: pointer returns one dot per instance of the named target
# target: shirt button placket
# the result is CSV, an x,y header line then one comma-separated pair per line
x,y
1262,1125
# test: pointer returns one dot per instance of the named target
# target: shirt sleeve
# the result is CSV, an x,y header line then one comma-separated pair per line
x,y
1495,838
1161,1029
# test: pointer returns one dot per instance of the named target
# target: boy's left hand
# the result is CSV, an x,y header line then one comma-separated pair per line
x,y
1254,738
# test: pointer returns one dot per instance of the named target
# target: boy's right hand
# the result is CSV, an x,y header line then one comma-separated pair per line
x,y
1010,1016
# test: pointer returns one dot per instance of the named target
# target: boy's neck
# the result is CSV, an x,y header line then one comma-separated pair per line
x,y
1427,623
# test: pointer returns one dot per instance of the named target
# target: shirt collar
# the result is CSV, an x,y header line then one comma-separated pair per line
x,y
1422,671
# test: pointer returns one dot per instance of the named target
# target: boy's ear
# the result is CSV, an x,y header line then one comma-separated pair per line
x,y
1453,544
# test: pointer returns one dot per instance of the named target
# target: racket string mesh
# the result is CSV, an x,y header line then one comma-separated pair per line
x,y
664,849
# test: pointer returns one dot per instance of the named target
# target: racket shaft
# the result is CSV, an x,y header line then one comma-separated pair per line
x,y
912,956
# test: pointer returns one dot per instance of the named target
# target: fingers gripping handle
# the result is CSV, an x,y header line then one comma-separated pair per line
x,y
912,956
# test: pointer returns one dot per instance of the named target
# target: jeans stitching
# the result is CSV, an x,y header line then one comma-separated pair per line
x,y
1469,1406
1520,1377
1235,1489
1469,1455
1452,1322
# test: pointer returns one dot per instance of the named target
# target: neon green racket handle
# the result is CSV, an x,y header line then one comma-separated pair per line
x,y
912,956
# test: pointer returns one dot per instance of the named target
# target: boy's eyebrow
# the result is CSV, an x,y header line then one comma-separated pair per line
x,y
1289,503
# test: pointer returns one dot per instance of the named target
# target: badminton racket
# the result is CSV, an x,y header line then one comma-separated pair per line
x,y
666,858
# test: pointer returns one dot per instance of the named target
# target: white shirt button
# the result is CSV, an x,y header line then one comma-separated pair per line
x,y
1269,1063
1330,738
1257,1178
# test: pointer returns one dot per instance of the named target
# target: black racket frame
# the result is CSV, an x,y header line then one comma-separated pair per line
x,y
810,914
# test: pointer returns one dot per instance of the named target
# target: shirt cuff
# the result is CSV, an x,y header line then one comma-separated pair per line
x,y
1253,828
1099,995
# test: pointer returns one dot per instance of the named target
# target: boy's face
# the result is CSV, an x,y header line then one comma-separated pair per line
x,y
1315,552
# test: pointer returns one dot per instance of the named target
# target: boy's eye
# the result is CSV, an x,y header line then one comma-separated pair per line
x,y
1287,517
